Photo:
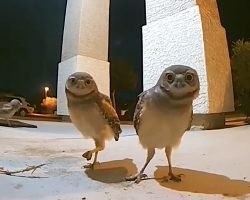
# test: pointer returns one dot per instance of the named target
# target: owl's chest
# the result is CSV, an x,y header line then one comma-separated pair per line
x,y
163,127
87,119
167,118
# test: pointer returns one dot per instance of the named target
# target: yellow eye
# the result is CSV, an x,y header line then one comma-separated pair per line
x,y
189,77
170,77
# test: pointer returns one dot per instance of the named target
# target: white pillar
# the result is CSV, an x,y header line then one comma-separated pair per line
x,y
85,45
189,32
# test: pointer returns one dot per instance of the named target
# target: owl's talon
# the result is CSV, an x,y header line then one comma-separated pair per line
x,y
87,155
137,178
89,166
175,178
172,177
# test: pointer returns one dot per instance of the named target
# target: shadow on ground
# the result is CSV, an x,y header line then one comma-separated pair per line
x,y
203,182
16,124
112,171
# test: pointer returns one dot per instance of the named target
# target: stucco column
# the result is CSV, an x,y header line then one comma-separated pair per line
x,y
189,32
85,45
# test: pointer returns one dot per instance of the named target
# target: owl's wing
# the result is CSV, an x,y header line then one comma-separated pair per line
x,y
139,110
110,114
106,98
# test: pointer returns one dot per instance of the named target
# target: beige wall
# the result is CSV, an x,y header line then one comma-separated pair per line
x,y
220,88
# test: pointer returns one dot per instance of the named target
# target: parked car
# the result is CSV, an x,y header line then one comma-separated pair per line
x,y
25,108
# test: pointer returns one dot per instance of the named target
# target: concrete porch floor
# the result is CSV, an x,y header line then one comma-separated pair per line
x,y
215,164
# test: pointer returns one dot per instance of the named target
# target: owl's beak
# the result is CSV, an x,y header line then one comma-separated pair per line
x,y
80,84
179,84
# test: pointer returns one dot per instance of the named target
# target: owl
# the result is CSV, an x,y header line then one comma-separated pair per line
x,y
91,112
163,114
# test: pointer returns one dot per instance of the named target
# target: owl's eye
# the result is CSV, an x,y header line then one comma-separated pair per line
x,y
170,77
72,80
189,77
87,82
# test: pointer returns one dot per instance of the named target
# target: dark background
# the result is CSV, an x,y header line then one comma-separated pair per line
x,y
31,39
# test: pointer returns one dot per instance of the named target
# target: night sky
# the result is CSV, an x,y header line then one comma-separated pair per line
x,y
31,39
30,48
235,18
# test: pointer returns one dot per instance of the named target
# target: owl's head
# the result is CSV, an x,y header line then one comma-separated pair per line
x,y
180,82
81,84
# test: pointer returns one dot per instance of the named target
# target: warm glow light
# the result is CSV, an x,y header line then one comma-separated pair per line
x,y
46,89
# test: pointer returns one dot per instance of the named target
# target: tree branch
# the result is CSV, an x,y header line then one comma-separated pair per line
x,y
27,169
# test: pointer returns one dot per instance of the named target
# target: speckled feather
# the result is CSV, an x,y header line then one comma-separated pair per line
x,y
109,114
138,110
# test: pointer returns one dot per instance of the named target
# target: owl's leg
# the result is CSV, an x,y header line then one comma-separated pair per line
x,y
171,176
139,176
100,144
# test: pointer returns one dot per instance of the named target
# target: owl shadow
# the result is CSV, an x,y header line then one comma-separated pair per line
x,y
113,171
203,182
16,124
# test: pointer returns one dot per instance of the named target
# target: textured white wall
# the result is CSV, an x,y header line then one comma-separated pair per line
x,y
86,29
71,29
176,39
94,29
188,32
158,9
97,68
